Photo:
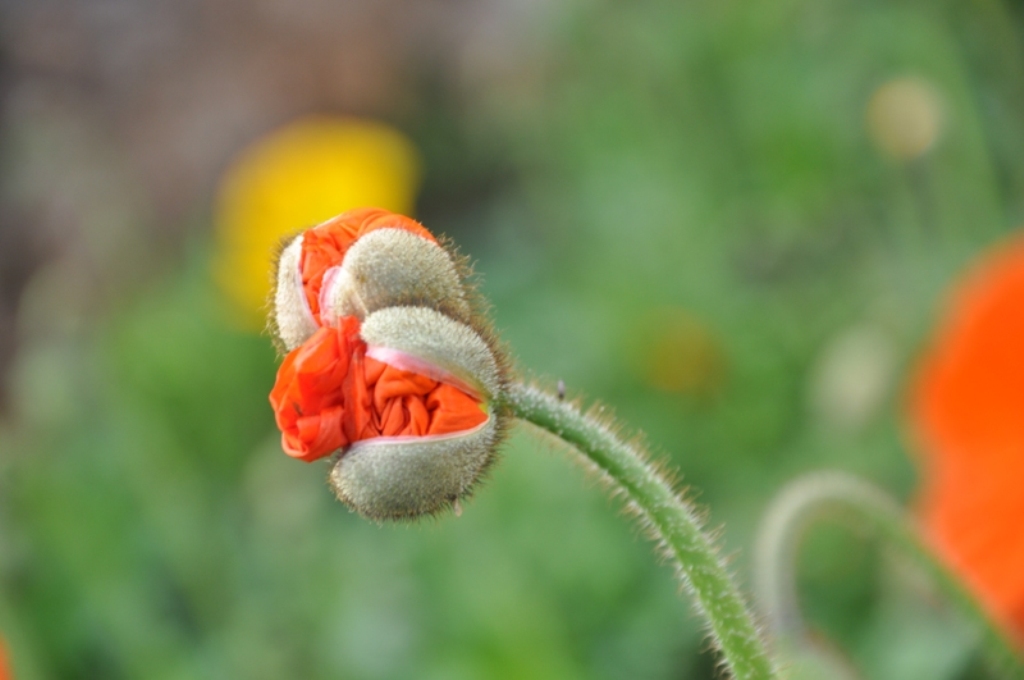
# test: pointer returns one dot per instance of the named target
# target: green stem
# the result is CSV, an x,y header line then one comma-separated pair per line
x,y
827,494
671,519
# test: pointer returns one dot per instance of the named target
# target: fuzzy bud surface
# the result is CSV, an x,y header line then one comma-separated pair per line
x,y
387,370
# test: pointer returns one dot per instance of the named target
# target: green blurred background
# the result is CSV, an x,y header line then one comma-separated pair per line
x,y
731,222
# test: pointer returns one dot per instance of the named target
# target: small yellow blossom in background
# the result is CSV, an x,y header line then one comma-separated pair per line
x,y
904,118
852,376
681,354
294,178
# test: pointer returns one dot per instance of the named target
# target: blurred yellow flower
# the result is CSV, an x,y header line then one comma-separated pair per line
x,y
297,177
904,118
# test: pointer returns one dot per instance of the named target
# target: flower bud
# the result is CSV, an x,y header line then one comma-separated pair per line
x,y
391,267
408,477
293,322
440,344
357,263
387,373
387,478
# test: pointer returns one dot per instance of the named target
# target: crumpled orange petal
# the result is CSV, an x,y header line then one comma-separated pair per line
x,y
967,418
325,245
329,395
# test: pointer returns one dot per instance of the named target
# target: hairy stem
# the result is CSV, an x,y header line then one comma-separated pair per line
x,y
830,494
669,517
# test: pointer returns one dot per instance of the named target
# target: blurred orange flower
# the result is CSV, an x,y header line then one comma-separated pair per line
x,y
5,668
293,178
967,419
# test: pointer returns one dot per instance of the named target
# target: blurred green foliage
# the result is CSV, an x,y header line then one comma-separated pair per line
x,y
660,175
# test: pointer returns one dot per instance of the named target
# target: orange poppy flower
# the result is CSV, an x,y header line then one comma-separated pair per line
x,y
5,668
967,418
329,395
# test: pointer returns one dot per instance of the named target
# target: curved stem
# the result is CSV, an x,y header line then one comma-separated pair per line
x,y
827,494
670,519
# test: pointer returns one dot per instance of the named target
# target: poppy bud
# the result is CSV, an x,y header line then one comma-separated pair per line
x,y
292,322
434,343
392,477
352,265
391,267
386,372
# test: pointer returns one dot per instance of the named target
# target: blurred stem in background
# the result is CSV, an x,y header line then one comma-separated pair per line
x,y
819,497
665,515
